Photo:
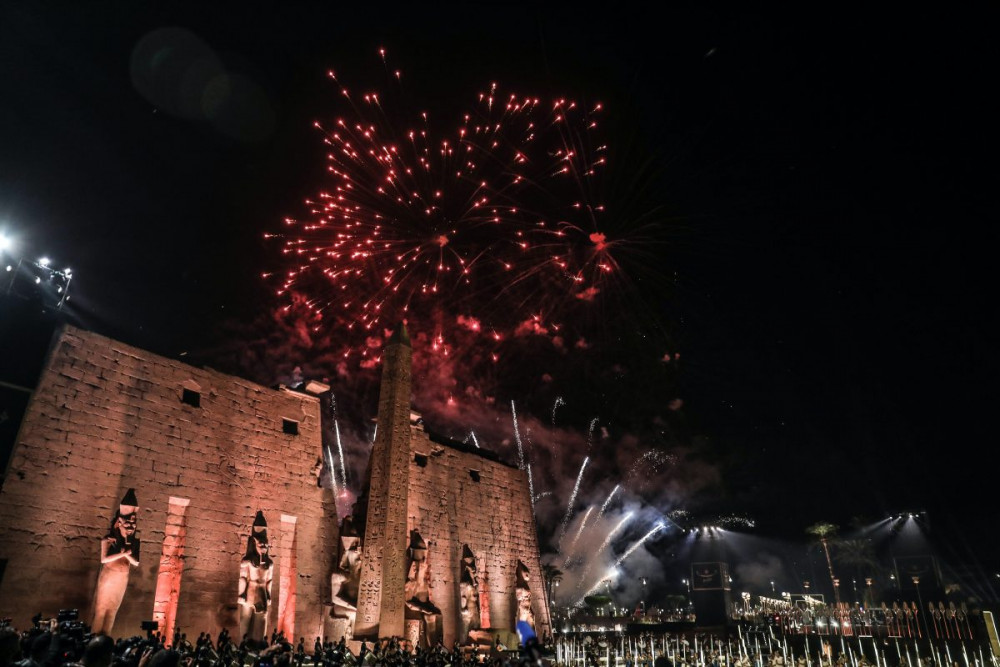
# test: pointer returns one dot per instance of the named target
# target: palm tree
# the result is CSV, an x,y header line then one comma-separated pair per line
x,y
823,532
551,575
858,556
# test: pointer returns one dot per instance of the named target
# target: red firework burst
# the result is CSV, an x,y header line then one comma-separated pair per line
x,y
494,220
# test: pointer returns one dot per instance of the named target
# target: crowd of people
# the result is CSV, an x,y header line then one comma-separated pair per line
x,y
70,644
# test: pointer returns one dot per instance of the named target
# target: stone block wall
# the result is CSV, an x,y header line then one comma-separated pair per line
x,y
107,417
493,516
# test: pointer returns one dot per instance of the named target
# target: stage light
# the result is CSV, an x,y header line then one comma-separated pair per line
x,y
68,271
38,280
9,268
5,243
45,261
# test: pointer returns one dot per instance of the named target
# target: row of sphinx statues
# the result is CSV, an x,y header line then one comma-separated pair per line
x,y
422,616
120,553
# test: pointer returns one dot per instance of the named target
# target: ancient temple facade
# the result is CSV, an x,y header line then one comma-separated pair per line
x,y
136,489
444,546
141,488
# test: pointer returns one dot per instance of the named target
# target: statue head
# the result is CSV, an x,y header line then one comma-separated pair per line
x,y
418,547
257,544
468,558
123,525
523,575
468,575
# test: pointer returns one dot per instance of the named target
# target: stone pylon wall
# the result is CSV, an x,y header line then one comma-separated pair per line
x,y
493,516
106,417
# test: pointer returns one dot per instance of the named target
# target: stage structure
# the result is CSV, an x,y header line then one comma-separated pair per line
x,y
218,479
710,593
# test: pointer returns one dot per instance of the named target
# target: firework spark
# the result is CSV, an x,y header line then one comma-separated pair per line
x,y
472,438
572,499
604,545
590,432
657,528
517,436
332,467
340,452
555,406
649,463
604,507
614,531
735,521
531,477
576,538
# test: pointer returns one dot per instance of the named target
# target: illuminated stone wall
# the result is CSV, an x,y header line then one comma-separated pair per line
x,y
107,417
492,516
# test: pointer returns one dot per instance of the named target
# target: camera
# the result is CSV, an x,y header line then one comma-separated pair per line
x,y
66,615
69,623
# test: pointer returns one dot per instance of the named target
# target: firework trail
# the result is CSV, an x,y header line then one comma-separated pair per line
x,y
331,466
572,499
590,432
576,538
555,406
604,545
340,452
517,437
531,479
607,502
657,528
542,495
531,488
613,571
614,531
472,437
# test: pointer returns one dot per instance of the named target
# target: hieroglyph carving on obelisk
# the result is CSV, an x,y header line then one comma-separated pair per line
x,y
381,602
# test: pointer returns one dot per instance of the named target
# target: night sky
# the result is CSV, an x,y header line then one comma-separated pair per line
x,y
827,186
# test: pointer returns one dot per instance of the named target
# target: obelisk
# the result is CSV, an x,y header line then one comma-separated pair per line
x,y
383,561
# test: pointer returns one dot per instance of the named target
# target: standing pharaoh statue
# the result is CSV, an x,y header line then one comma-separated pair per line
x,y
256,573
119,553
468,586
344,582
350,560
522,593
417,592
